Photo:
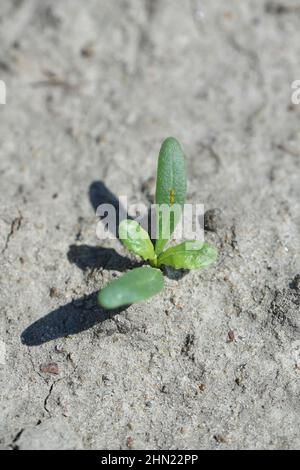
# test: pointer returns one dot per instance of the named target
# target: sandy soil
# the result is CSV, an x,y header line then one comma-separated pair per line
x,y
92,90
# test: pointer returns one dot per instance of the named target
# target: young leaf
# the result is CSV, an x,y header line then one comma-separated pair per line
x,y
136,239
170,188
134,286
189,255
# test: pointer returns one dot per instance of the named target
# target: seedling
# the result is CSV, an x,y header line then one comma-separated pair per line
x,y
144,282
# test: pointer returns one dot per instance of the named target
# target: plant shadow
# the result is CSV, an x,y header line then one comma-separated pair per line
x,y
174,274
99,194
92,257
83,313
75,317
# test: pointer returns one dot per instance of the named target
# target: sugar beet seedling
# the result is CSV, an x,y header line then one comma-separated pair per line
x,y
144,282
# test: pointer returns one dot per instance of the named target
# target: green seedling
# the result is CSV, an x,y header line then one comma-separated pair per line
x,y
144,282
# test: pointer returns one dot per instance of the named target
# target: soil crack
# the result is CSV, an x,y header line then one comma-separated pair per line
x,y
47,398
14,227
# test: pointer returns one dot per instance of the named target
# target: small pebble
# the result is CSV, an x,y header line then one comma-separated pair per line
x,y
220,439
239,381
129,442
213,220
231,335
105,379
87,51
59,348
54,292
50,368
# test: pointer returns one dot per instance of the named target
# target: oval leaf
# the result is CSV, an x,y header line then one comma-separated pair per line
x,y
136,239
189,255
134,286
170,188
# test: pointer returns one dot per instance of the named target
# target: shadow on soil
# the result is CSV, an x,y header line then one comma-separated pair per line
x,y
81,314
92,257
75,317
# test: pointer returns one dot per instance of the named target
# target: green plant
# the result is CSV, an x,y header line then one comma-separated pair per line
x,y
144,282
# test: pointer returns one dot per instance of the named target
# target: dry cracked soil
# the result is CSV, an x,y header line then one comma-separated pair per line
x,y
92,90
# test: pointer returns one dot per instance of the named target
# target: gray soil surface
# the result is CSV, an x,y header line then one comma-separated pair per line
x,y
93,87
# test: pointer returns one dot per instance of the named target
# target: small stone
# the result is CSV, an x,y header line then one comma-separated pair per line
x,y
202,387
129,442
59,348
87,51
50,368
231,335
55,293
174,301
220,439
239,381
105,379
213,220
